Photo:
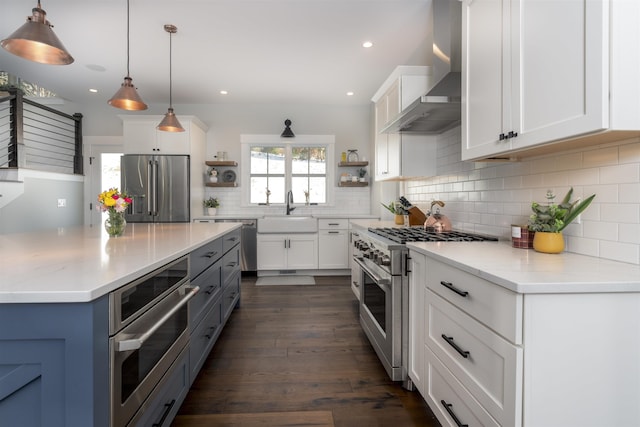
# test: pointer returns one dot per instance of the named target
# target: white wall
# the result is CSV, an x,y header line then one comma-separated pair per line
x,y
489,197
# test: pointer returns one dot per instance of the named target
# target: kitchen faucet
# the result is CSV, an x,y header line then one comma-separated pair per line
x,y
289,200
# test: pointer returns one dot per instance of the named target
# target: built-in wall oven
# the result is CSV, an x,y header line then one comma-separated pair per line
x,y
148,330
382,255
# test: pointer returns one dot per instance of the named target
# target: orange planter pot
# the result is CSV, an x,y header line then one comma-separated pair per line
x,y
548,243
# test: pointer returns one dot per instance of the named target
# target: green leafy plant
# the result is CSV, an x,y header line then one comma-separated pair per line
x,y
395,208
552,217
211,202
362,172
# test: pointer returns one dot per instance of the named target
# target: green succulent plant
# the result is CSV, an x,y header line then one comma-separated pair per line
x,y
552,217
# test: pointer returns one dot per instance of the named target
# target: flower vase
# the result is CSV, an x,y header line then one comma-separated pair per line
x,y
548,243
212,211
115,224
399,219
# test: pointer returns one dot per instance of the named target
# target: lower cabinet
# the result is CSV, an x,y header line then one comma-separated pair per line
x,y
288,251
470,339
333,243
162,406
203,337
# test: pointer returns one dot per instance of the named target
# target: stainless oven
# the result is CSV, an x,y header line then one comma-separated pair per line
x,y
383,304
148,330
381,254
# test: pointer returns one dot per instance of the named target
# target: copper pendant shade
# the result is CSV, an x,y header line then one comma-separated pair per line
x,y
170,122
36,41
127,98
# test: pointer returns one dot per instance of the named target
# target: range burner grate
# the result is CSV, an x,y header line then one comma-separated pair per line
x,y
419,234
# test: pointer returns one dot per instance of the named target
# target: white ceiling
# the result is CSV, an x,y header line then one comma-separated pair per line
x,y
260,51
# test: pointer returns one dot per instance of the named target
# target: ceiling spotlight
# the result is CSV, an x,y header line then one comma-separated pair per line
x,y
349,93
170,122
127,97
223,92
36,41
367,44
287,133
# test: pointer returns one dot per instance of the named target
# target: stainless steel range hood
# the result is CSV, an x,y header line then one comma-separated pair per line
x,y
439,109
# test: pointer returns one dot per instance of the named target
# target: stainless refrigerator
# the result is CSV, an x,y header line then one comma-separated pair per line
x,y
158,185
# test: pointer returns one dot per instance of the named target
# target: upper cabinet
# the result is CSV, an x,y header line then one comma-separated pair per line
x,y
140,136
540,72
399,155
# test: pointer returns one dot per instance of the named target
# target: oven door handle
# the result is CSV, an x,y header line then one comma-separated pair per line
x,y
136,343
379,280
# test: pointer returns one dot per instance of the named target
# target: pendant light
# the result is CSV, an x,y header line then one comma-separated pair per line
x,y
287,132
127,97
170,122
36,41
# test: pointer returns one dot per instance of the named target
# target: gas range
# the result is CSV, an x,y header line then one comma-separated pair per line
x,y
420,234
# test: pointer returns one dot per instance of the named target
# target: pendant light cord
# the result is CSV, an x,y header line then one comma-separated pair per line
x,y
128,75
170,77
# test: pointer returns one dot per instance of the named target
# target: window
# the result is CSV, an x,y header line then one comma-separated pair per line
x,y
277,166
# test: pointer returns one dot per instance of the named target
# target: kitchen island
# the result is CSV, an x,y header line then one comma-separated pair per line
x,y
55,310
506,336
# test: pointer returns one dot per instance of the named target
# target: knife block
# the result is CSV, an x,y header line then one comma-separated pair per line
x,y
416,216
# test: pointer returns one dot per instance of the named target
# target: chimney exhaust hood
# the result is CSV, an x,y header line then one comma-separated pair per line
x,y
440,108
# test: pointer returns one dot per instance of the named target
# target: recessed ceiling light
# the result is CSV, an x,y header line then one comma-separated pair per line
x,y
349,93
367,44
223,92
93,90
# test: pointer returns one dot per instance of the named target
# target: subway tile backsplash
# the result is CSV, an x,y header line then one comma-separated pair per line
x,y
489,197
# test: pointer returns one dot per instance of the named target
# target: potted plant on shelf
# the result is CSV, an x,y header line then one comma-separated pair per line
x,y
548,220
362,172
211,204
213,175
396,209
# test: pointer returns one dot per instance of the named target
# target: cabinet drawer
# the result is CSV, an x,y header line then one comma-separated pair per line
x,y
230,264
230,295
485,363
162,406
230,239
493,305
209,283
203,338
447,398
205,256
331,224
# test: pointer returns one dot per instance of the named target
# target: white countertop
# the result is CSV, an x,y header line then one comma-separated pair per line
x,y
527,271
319,216
81,264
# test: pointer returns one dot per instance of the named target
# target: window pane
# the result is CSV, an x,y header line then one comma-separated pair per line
x,y
317,190
258,189
267,160
299,185
318,160
300,160
259,185
276,185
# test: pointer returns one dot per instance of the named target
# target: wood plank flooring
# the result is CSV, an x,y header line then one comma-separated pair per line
x,y
296,356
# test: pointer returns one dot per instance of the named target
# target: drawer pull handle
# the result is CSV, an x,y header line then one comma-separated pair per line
x,y
448,407
211,254
167,409
449,341
334,223
209,290
449,286
212,332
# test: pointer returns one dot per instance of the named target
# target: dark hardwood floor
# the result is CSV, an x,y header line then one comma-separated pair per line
x,y
296,356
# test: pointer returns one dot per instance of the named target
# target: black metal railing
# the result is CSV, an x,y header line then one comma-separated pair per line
x,y
35,136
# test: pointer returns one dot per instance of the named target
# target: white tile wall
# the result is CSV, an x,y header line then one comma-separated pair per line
x,y
489,197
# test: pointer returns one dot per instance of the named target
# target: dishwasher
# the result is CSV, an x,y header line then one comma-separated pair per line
x,y
248,244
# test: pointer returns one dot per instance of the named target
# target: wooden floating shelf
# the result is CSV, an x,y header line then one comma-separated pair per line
x,y
352,184
224,163
352,164
221,184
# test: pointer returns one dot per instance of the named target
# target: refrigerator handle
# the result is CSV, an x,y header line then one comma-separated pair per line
x,y
154,188
149,187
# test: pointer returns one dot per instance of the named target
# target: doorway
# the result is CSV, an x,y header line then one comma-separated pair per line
x,y
104,173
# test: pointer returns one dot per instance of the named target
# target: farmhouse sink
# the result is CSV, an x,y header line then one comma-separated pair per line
x,y
287,224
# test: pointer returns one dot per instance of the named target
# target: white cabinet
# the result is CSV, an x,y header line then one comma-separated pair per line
x,y
399,155
481,354
140,136
541,71
287,251
333,243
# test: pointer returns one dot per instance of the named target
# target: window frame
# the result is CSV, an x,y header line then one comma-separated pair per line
x,y
247,141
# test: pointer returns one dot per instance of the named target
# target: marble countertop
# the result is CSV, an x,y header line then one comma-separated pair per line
x,y
81,264
319,216
527,271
